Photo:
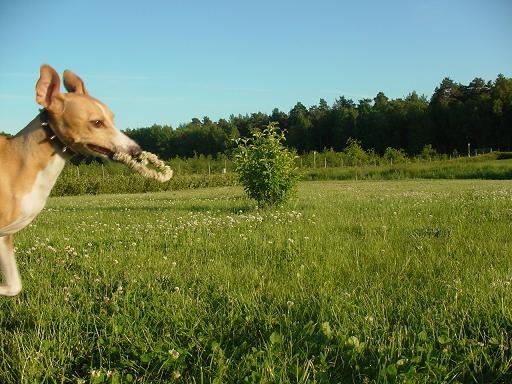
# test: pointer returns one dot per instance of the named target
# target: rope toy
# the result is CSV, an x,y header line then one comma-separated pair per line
x,y
139,163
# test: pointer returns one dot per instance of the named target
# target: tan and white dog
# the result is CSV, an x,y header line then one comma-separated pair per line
x,y
31,161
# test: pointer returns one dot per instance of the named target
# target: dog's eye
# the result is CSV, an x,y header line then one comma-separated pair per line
x,y
97,123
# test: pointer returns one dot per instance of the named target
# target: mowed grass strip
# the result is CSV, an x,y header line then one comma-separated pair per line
x,y
350,282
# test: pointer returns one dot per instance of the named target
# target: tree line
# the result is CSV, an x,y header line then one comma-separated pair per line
x,y
479,113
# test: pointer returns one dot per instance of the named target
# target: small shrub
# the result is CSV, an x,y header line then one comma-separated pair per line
x,y
266,168
395,155
428,152
373,157
355,153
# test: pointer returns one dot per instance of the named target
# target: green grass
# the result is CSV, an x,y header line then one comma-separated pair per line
x,y
360,282
116,178
481,167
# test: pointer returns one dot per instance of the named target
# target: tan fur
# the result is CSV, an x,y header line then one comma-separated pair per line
x,y
19,169
30,162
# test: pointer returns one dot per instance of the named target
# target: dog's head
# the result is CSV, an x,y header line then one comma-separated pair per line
x,y
80,121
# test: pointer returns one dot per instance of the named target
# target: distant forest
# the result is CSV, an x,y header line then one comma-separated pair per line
x,y
479,113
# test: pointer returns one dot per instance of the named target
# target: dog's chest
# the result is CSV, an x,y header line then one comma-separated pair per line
x,y
34,201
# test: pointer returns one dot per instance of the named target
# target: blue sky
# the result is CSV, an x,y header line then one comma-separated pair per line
x,y
168,61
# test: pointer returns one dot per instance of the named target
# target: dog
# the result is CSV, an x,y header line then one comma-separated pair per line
x,y
31,161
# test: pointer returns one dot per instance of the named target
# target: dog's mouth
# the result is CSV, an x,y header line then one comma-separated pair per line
x,y
101,150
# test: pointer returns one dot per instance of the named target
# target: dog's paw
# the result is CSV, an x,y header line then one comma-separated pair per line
x,y
6,290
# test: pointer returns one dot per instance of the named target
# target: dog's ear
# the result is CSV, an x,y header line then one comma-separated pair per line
x,y
48,89
73,83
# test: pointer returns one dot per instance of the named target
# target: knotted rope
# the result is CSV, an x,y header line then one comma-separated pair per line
x,y
140,163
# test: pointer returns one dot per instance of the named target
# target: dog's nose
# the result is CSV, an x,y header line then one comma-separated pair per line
x,y
135,150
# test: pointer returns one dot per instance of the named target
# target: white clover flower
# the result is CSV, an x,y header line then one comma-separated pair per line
x,y
95,373
174,353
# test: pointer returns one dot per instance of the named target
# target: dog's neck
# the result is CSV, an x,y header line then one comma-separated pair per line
x,y
37,151
39,136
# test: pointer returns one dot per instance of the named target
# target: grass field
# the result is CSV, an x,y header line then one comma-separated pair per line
x,y
390,281
112,177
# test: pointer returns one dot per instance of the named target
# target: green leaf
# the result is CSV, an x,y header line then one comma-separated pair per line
x,y
391,370
416,360
145,358
45,345
276,338
443,339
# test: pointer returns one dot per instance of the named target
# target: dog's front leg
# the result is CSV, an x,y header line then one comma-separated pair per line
x,y
12,283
